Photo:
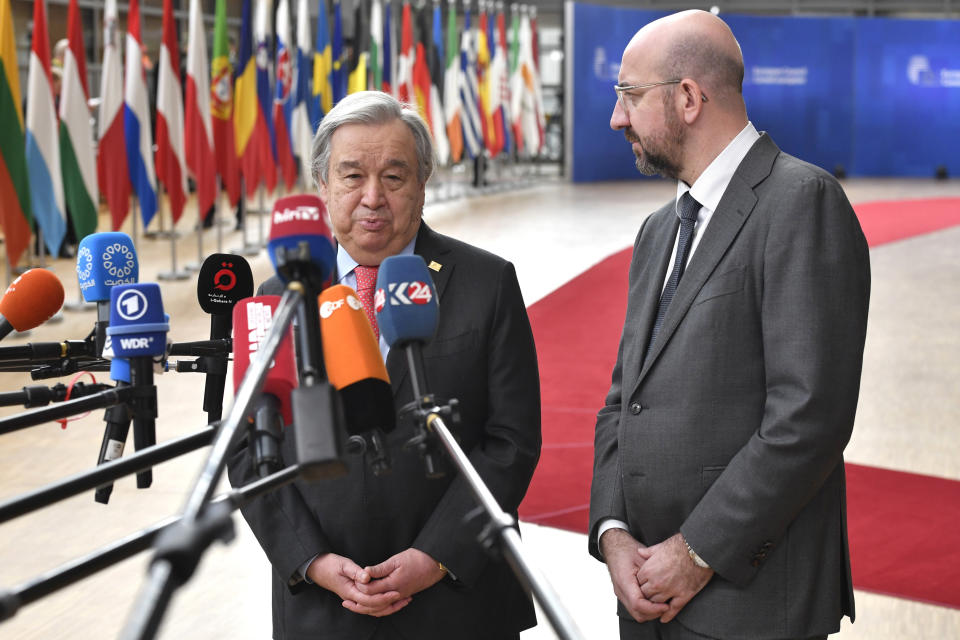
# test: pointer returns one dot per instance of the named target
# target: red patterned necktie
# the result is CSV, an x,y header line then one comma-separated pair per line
x,y
366,283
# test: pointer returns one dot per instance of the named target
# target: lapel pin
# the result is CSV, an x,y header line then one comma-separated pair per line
x,y
434,265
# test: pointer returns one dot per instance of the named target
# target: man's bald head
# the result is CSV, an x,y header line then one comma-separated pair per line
x,y
692,44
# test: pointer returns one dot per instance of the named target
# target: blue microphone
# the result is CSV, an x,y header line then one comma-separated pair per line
x,y
138,332
405,301
105,260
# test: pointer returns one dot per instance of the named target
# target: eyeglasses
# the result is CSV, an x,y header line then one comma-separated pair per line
x,y
621,88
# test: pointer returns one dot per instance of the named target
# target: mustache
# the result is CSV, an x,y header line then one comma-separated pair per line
x,y
631,135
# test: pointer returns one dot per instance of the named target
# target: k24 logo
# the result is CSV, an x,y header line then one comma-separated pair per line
x,y
403,293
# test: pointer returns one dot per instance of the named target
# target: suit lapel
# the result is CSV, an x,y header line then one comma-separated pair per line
x,y
432,249
735,207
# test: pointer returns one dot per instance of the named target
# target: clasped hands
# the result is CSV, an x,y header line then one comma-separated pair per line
x,y
379,590
652,582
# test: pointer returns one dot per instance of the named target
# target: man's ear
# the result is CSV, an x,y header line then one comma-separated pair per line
x,y
691,99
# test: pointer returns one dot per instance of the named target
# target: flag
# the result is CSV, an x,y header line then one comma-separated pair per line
x,y
300,130
469,95
535,53
435,60
15,207
496,79
451,88
322,68
483,77
198,125
221,107
358,63
405,91
171,166
78,161
516,83
245,107
338,72
389,45
43,149
283,97
531,104
113,175
263,33
376,58
136,121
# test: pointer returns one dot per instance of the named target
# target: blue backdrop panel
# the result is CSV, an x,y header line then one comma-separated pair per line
x,y
907,97
798,83
600,35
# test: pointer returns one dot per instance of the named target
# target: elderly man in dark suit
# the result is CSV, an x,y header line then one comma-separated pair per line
x,y
391,557
718,497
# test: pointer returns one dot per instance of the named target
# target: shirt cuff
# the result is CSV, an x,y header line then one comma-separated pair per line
x,y
302,572
606,525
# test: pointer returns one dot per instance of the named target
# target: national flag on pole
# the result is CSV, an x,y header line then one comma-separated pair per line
x,y
532,120
502,121
322,68
389,46
358,63
78,161
300,130
221,107
516,83
338,73
405,90
376,58
435,61
246,107
451,87
283,97
136,121
113,174
483,77
171,165
43,148
15,207
198,125
469,95
263,35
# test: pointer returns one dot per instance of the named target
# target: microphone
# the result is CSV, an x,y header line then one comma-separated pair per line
x,y
29,301
355,368
252,319
224,280
138,332
300,245
407,311
104,260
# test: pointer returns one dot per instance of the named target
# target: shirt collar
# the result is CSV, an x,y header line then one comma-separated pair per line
x,y
709,187
346,264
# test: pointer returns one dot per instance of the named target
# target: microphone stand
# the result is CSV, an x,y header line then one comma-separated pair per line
x,y
116,395
218,524
176,559
499,534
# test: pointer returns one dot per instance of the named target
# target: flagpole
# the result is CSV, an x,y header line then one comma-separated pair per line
x,y
195,266
261,212
246,249
133,213
173,274
217,204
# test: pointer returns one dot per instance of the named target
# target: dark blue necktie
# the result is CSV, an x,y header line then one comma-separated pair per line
x,y
688,217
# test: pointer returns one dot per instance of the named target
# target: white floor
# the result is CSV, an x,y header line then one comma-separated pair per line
x,y
907,420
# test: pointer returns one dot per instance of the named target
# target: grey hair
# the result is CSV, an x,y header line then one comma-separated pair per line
x,y
370,107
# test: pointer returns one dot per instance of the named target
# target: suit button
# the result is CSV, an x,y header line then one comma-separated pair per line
x,y
635,408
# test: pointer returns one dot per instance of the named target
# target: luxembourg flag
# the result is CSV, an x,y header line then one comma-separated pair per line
x,y
43,148
136,120
283,97
300,130
171,167
198,128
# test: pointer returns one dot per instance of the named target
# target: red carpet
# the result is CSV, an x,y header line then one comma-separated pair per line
x,y
904,528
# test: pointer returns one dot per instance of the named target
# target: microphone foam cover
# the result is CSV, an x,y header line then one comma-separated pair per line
x,y
32,299
224,280
405,301
252,320
302,219
354,365
138,325
105,260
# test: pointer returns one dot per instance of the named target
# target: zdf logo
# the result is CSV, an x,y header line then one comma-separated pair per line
x,y
329,306
403,293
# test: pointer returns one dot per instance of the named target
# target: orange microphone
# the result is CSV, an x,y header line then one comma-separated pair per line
x,y
29,301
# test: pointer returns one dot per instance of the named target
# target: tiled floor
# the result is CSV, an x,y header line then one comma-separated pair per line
x,y
908,417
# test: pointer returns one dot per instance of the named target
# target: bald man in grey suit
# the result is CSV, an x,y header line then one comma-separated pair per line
x,y
718,500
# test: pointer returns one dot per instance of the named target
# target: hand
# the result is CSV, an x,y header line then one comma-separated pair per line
x,y
670,575
405,573
345,578
622,554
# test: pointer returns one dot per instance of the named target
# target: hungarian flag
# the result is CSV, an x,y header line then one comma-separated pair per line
x,y
136,121
171,166
112,172
300,130
246,108
263,34
283,97
14,185
405,91
451,88
198,126
221,107
322,68
43,148
78,162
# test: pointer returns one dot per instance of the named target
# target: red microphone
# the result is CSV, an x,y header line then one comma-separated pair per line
x,y
299,231
252,320
29,301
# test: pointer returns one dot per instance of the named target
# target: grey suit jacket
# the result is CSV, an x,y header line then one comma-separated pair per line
x,y
483,355
732,432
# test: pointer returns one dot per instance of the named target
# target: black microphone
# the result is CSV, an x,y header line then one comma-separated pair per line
x,y
224,279
252,319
